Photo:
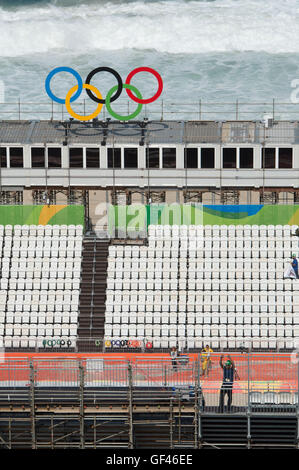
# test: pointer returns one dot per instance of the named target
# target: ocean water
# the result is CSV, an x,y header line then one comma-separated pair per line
x,y
207,51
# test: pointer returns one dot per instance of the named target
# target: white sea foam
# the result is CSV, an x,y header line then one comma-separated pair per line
x,y
209,50
172,26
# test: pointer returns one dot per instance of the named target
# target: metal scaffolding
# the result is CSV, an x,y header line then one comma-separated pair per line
x,y
145,403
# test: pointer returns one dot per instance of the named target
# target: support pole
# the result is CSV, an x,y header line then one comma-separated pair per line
x,y
199,401
248,404
180,417
9,433
196,417
32,406
297,405
131,432
81,405
52,433
171,422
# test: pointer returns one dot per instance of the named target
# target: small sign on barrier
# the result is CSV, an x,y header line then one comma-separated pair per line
x,y
126,343
57,343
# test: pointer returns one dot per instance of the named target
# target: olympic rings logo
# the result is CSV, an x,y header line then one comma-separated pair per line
x,y
95,95
124,343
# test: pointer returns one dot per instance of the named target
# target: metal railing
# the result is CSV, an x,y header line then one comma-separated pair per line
x,y
166,109
262,382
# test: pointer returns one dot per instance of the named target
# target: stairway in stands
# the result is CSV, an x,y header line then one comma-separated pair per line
x,y
92,292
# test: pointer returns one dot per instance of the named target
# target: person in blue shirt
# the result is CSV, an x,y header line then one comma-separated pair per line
x,y
229,374
295,265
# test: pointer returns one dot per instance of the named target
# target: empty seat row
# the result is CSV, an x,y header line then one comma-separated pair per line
x,y
207,299
203,285
138,296
211,254
38,295
139,284
222,243
18,308
206,318
264,264
42,230
47,253
57,342
257,398
184,273
46,317
33,244
246,230
22,284
146,263
231,331
45,264
39,330
42,274
199,309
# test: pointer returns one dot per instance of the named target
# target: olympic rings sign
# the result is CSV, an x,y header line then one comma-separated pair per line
x,y
95,95
124,343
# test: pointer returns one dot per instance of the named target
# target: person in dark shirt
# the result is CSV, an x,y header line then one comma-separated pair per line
x,y
295,265
174,356
229,374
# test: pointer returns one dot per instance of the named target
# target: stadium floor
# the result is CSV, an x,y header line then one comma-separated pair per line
x,y
264,371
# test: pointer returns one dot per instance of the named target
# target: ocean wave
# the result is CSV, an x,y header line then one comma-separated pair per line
x,y
172,26
8,4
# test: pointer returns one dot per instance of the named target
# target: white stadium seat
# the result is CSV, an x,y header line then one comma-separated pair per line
x,y
29,268
224,283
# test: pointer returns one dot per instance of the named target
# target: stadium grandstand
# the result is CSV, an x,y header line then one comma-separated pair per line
x,y
120,242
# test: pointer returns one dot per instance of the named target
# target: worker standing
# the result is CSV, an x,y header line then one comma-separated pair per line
x,y
206,361
295,264
229,374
